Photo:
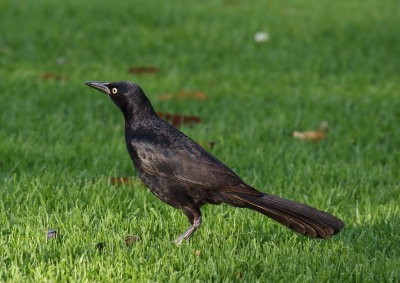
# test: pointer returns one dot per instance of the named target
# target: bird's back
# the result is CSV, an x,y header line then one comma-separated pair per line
x,y
158,148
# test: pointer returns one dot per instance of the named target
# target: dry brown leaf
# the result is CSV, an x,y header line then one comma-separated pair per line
x,y
184,94
309,136
51,76
142,70
130,240
191,94
313,136
178,119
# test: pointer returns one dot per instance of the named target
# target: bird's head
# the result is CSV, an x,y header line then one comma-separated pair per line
x,y
129,97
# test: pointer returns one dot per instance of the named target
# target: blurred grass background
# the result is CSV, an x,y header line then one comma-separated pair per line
x,y
60,141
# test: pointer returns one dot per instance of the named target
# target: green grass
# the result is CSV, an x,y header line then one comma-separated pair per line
x,y
60,141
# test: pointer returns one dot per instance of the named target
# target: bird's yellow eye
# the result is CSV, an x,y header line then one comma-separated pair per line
x,y
114,90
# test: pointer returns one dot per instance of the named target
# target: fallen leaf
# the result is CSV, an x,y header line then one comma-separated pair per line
x,y
130,240
313,136
51,76
191,94
178,119
184,94
142,70
309,136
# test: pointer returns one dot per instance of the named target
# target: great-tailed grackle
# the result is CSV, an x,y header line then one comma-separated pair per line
x,y
181,173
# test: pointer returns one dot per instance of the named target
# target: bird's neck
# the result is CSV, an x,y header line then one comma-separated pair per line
x,y
138,114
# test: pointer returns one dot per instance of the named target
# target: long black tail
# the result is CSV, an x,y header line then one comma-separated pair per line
x,y
299,217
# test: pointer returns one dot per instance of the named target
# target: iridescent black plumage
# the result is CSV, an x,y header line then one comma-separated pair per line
x,y
181,173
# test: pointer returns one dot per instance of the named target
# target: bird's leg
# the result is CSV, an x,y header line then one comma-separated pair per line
x,y
194,215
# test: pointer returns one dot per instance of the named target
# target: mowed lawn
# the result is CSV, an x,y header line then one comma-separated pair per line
x,y
60,141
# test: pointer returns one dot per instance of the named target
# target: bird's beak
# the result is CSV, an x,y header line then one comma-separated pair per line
x,y
101,86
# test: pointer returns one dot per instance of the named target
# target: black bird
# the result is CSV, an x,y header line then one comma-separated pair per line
x,y
184,175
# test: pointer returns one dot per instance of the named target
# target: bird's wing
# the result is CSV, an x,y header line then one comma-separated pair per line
x,y
188,163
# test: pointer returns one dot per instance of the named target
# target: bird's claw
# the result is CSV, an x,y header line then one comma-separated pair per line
x,y
179,241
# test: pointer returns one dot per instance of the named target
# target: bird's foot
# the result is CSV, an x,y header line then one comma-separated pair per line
x,y
189,231
179,240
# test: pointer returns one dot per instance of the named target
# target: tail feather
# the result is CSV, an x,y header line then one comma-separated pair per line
x,y
299,217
